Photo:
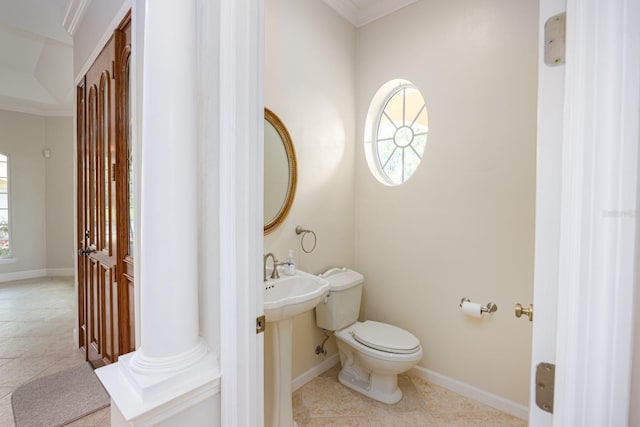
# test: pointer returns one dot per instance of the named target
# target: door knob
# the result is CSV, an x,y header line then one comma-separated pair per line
x,y
528,311
86,251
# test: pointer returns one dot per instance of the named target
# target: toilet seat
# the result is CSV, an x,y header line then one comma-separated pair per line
x,y
385,337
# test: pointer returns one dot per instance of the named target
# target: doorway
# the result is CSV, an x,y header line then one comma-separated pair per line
x,y
105,215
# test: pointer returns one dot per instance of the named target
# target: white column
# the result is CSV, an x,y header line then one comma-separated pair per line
x,y
169,211
172,379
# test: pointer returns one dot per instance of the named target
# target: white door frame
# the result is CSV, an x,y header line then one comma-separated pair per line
x,y
598,214
239,104
547,230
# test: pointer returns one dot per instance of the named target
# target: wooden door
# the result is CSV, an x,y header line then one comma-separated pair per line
x,y
104,305
124,183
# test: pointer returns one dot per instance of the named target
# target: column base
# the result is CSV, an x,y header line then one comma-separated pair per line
x,y
189,396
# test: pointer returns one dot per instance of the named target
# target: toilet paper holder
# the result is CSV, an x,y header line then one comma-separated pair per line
x,y
490,308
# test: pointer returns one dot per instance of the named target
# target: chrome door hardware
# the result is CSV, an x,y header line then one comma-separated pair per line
x,y
545,383
520,310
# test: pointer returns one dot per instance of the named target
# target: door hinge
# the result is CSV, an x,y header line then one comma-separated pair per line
x,y
260,324
554,39
545,383
113,70
113,172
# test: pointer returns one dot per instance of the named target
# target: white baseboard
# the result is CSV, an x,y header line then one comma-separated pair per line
x,y
34,274
466,390
60,272
493,400
21,275
307,376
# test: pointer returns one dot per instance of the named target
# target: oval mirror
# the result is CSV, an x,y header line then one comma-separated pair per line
x,y
280,171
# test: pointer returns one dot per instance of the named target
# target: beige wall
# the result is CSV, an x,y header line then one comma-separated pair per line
x,y
41,191
463,225
309,72
59,192
22,138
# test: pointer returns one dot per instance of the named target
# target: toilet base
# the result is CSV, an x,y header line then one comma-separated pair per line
x,y
380,387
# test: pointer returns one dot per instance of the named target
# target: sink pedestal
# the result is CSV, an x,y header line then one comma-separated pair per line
x,y
278,398
284,298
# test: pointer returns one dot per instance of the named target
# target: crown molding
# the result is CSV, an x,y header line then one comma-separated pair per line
x,y
380,9
361,16
74,14
346,9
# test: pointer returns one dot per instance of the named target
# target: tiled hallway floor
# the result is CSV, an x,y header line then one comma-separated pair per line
x,y
325,402
36,339
37,318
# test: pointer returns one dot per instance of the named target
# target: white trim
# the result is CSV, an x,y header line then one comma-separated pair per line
x,y
60,272
598,214
379,10
346,9
34,274
74,14
22,275
108,33
315,371
140,398
361,16
237,197
466,390
63,112
547,211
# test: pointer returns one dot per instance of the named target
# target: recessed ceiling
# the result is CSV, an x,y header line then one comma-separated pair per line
x,y
36,54
36,48
362,12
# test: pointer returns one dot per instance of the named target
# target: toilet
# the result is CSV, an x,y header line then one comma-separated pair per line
x,y
372,354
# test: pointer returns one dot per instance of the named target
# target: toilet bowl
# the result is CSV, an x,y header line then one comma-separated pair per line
x,y
373,370
372,354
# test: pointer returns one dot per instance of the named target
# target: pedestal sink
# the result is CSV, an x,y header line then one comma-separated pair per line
x,y
285,298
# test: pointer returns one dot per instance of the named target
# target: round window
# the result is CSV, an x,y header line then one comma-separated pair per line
x,y
396,132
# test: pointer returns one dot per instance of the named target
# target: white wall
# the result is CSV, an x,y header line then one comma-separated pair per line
x,y
41,194
463,225
309,72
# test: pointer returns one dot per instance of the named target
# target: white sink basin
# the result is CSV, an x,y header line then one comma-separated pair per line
x,y
289,296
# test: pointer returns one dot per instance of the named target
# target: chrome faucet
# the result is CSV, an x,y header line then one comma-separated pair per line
x,y
274,274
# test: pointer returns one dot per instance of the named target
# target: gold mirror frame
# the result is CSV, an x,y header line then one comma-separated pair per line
x,y
293,170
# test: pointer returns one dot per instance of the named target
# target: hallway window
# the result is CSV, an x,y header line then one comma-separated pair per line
x,y
5,249
397,125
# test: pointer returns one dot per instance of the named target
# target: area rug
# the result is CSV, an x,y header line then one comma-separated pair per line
x,y
59,399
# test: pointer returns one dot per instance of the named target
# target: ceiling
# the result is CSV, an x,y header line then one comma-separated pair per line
x,y
36,54
362,12
36,48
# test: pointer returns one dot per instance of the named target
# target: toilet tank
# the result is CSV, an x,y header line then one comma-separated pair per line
x,y
342,305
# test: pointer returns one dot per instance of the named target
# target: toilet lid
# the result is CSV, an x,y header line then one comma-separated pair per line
x,y
384,337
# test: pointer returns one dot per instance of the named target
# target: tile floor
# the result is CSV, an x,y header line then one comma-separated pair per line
x,y
37,318
325,402
36,339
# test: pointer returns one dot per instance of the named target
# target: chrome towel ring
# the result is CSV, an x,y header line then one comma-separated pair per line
x,y
300,230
